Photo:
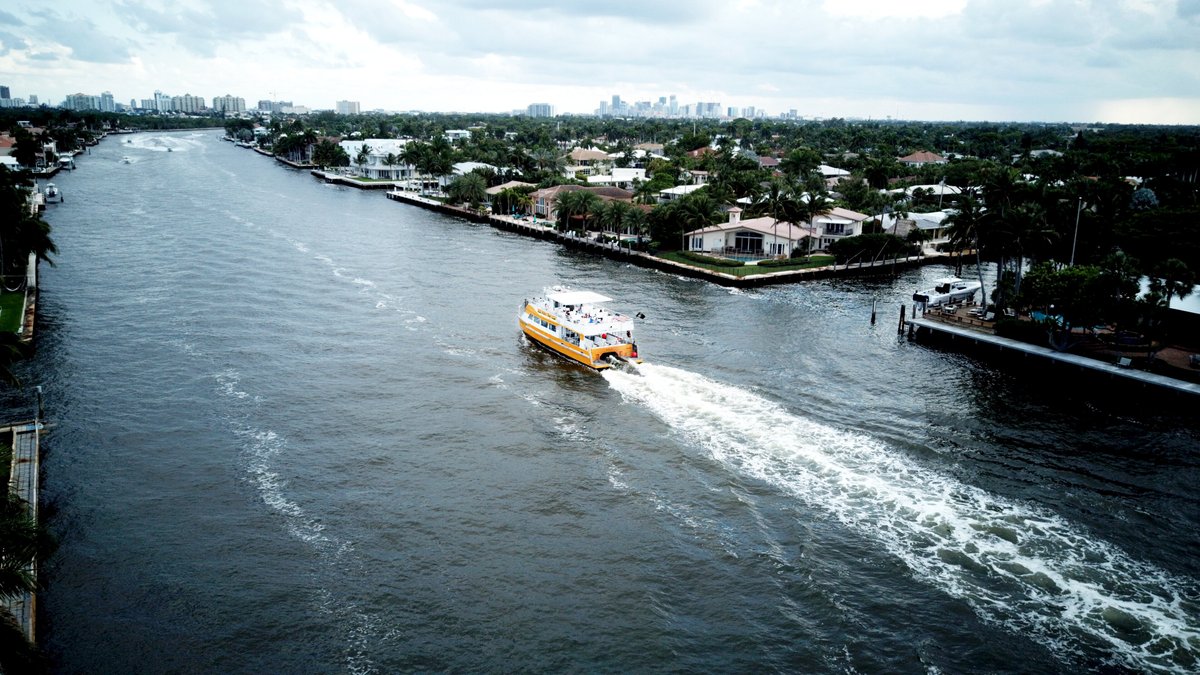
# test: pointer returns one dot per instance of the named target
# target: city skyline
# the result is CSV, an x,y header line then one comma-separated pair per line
x,y
1129,61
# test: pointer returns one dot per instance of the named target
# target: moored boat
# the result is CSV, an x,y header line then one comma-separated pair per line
x,y
52,192
573,324
947,289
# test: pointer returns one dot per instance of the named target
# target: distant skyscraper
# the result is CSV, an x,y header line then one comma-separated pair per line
x,y
540,110
81,102
229,104
346,107
4,92
107,104
33,99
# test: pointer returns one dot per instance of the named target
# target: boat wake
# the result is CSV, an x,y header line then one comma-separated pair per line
x,y
1017,565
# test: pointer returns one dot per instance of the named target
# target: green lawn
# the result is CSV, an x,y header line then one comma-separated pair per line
x,y
10,311
750,270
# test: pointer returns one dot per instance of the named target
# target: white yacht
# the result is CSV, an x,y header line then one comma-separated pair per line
x,y
947,290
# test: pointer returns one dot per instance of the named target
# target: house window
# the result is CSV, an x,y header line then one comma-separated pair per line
x,y
697,243
835,228
748,242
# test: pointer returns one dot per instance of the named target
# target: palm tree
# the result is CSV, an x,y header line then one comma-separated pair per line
x,y
696,212
390,161
364,154
612,216
812,206
636,222
966,225
23,543
644,192
779,202
567,205
412,154
469,188
548,163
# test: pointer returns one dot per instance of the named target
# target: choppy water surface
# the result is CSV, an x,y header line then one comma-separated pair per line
x,y
297,431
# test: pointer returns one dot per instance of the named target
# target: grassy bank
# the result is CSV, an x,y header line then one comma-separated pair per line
x,y
10,311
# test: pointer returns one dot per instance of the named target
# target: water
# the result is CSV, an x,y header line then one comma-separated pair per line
x,y
296,430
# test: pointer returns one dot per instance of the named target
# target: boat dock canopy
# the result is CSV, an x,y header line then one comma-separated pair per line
x,y
577,297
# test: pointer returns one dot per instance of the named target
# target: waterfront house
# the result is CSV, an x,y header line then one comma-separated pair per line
x,y
933,224
545,200
755,237
378,149
835,224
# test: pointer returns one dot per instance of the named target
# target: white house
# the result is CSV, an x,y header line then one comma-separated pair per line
x,y
757,237
622,178
377,151
932,224
837,223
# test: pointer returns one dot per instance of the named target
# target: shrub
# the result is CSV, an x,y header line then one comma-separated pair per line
x,y
709,260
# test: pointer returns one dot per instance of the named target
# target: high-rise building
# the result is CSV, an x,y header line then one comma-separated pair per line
x,y
81,102
162,102
33,99
187,104
346,107
540,110
4,93
229,104
107,104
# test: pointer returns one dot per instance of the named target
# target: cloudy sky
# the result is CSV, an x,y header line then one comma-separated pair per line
x,y
1050,60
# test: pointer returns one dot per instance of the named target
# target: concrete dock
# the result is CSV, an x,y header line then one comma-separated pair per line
x,y
924,328
25,440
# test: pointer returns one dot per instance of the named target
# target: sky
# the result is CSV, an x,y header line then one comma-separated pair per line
x,y
1122,61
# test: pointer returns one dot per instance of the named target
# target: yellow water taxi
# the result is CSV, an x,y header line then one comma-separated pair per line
x,y
575,325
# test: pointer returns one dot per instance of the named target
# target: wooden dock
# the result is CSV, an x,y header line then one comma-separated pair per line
x,y
983,341
25,440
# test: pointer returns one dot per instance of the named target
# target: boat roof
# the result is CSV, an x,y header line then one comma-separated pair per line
x,y
577,297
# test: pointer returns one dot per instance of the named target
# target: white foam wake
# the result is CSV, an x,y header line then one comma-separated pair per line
x,y
1021,566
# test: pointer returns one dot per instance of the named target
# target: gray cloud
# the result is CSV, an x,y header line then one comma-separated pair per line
x,y
204,27
82,36
9,19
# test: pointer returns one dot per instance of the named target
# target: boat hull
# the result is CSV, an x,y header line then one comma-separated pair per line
x,y
596,358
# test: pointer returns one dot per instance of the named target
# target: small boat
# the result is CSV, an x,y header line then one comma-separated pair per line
x,y
574,325
52,192
127,159
947,289
170,150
